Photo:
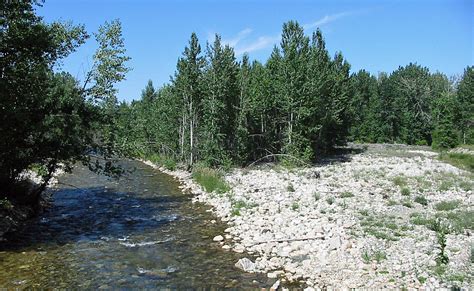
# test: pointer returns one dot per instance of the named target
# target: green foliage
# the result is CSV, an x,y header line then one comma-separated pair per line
x,y
295,206
441,231
446,114
377,255
419,219
465,96
447,205
290,188
405,191
346,194
330,200
400,181
460,160
47,118
211,180
421,200
6,204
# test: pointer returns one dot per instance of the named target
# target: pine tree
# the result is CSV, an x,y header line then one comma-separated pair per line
x,y
242,130
219,102
187,86
465,95
293,75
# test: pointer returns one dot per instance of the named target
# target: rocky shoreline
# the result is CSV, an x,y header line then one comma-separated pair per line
x,y
361,223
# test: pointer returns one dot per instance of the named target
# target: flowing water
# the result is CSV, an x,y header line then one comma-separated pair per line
x,y
140,231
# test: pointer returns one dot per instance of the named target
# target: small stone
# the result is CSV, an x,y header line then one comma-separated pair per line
x,y
218,238
245,265
275,285
239,249
334,243
226,247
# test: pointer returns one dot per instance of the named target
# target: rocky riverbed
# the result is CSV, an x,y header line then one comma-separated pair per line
x,y
377,219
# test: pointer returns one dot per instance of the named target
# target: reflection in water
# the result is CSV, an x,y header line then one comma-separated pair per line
x,y
140,231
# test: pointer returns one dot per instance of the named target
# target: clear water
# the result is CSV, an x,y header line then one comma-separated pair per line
x,y
138,232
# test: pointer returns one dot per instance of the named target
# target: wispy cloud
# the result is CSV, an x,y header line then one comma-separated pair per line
x,y
235,40
242,46
260,43
327,19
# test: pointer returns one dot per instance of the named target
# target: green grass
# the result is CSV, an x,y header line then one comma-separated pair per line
x,y
407,203
290,188
211,180
420,219
405,191
392,203
400,181
447,205
316,196
346,194
421,200
463,161
459,220
295,206
377,255
330,200
164,161
238,205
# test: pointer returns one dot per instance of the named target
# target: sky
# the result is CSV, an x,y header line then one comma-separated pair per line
x,y
378,36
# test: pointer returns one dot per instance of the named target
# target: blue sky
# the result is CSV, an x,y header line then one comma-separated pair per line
x,y
373,35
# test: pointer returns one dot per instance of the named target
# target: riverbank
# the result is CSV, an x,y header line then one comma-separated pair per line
x,y
13,215
378,219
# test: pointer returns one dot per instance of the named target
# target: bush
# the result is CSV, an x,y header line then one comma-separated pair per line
x,y
405,191
460,160
421,200
447,205
211,180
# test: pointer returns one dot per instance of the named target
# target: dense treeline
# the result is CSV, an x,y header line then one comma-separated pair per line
x,y
413,106
47,118
299,104
222,112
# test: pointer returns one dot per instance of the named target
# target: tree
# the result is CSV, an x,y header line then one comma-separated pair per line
x,y
445,113
187,85
219,102
45,118
243,114
465,95
293,75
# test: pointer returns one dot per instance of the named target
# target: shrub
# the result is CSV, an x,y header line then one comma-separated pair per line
x,y
405,191
447,205
330,200
421,200
400,181
346,194
460,160
295,206
290,188
211,180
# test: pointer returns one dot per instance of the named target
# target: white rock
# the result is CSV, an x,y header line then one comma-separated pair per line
x,y
245,265
275,285
334,242
218,238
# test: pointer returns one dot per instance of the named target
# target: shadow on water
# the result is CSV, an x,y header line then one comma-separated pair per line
x,y
93,214
140,231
